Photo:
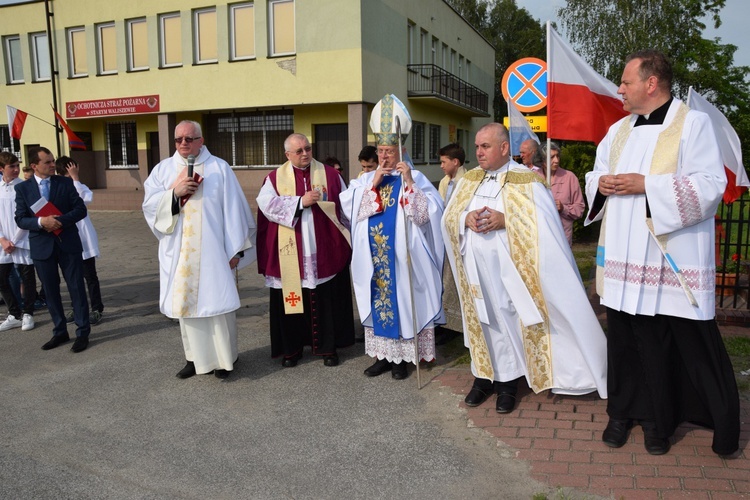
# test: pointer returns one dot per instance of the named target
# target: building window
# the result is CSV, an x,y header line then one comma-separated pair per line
x,y
452,63
434,51
77,66
204,36
434,143
410,29
468,71
137,42
122,145
417,142
422,47
242,31
444,57
106,41
170,40
250,139
13,61
40,57
7,143
460,66
281,22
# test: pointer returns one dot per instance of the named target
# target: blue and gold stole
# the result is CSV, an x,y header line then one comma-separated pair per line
x,y
382,230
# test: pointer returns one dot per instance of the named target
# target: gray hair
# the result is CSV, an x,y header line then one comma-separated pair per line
x,y
196,126
288,140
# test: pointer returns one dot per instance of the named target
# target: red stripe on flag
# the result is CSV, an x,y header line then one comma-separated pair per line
x,y
575,113
74,142
733,191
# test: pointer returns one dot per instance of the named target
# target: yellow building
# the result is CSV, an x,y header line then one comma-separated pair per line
x,y
123,74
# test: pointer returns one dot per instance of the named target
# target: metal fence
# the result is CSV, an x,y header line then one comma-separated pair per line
x,y
733,254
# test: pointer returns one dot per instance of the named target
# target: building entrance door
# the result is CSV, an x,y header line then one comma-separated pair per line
x,y
332,140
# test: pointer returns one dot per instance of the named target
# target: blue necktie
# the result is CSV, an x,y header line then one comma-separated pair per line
x,y
44,185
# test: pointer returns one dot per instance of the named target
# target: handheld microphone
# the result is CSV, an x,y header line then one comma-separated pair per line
x,y
191,163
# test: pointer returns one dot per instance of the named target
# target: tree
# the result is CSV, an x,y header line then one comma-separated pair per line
x,y
513,33
604,32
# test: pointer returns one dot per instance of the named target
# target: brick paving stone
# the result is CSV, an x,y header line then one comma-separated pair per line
x,y
742,486
568,480
571,456
727,496
518,443
658,483
689,495
552,444
610,482
489,421
591,469
611,458
536,432
723,473
518,422
545,467
680,471
594,445
633,470
692,483
546,415
534,454
582,435
643,458
634,494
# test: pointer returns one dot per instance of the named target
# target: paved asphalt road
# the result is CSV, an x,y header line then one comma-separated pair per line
x,y
115,422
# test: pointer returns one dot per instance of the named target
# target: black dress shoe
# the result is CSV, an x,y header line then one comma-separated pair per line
x,y
505,402
222,374
399,371
378,368
80,344
654,444
479,392
444,335
616,433
332,360
291,362
188,371
56,341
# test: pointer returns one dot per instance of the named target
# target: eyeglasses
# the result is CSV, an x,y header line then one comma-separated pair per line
x,y
306,149
387,152
189,140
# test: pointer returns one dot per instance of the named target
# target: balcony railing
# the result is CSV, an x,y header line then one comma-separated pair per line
x,y
428,80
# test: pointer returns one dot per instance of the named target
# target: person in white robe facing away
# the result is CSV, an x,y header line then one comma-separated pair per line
x,y
656,183
395,218
525,310
205,230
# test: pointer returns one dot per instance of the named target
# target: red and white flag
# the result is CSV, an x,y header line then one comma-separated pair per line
x,y
74,142
581,104
16,121
729,145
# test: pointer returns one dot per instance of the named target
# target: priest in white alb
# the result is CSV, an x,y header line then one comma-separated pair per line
x,y
655,187
525,310
395,219
205,230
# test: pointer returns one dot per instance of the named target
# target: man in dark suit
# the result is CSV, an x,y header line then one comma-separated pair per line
x,y
48,250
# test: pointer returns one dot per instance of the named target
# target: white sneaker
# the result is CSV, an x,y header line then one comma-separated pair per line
x,y
10,322
28,322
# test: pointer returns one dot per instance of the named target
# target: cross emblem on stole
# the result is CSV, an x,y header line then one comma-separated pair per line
x,y
293,298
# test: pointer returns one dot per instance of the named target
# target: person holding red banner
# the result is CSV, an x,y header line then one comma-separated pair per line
x,y
657,181
54,242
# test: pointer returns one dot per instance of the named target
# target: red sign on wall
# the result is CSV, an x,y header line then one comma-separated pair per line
x,y
112,107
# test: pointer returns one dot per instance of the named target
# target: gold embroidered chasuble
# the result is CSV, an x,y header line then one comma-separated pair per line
x,y
187,276
521,227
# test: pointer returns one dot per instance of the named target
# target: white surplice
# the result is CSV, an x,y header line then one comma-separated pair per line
x,y
224,227
637,278
504,303
8,228
86,231
426,249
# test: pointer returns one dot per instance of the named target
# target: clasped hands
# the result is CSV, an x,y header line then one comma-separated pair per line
x,y
622,184
484,220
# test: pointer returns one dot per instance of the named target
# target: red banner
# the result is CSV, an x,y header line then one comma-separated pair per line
x,y
113,107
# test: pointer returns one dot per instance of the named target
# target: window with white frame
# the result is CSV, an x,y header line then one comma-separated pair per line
x,y
77,63
434,51
452,62
249,139
136,35
122,145
422,47
241,31
281,24
106,48
205,42
410,42
417,142
468,71
444,57
13,61
434,143
40,63
170,40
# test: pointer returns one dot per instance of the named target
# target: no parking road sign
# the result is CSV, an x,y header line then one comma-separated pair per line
x,y
525,84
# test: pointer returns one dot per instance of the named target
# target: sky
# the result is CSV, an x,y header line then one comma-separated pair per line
x,y
733,28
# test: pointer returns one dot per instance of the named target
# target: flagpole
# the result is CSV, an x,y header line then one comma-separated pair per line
x,y
549,140
53,71
408,259
40,119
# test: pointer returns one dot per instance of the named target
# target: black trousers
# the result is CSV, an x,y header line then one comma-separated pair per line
x,y
671,370
28,278
92,284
